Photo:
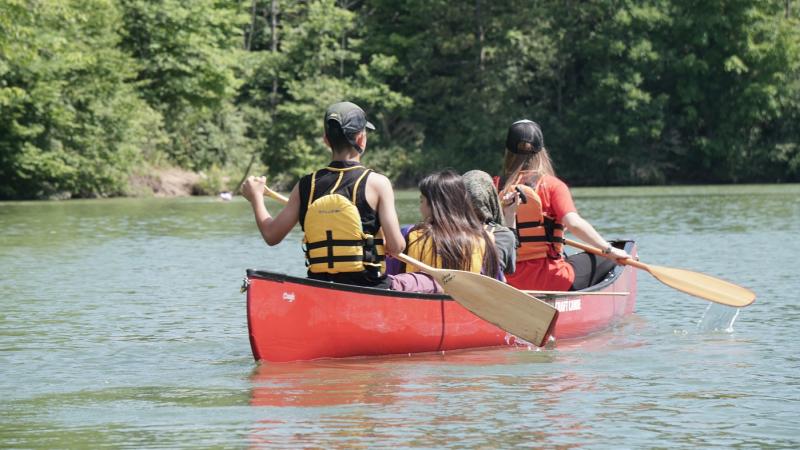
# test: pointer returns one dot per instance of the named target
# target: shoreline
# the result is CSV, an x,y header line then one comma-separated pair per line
x,y
176,183
166,182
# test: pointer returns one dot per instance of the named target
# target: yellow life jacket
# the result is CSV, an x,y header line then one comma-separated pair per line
x,y
421,249
540,236
335,241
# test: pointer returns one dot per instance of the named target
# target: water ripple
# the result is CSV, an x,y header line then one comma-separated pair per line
x,y
123,327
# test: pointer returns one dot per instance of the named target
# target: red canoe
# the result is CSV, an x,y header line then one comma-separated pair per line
x,y
291,318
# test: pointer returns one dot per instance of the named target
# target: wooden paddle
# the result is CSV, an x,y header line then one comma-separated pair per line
x,y
496,302
693,283
281,198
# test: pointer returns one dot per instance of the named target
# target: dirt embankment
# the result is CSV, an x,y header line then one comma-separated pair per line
x,y
169,182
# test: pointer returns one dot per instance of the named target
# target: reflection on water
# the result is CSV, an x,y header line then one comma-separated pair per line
x,y
321,384
370,398
433,396
121,325
332,382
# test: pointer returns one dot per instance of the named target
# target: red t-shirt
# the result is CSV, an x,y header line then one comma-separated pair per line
x,y
547,274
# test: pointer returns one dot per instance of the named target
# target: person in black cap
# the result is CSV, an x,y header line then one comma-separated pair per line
x,y
540,207
347,211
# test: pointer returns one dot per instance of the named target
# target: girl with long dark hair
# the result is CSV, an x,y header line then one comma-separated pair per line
x,y
450,235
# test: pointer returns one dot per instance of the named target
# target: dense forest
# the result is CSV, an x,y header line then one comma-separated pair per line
x,y
94,92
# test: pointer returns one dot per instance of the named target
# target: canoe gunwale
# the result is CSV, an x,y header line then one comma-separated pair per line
x,y
627,245
279,277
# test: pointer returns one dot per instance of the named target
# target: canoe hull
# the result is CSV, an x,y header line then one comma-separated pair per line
x,y
291,318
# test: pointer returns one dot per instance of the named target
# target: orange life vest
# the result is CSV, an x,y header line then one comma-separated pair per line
x,y
540,236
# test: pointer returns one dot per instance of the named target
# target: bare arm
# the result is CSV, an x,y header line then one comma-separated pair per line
x,y
586,232
380,192
273,229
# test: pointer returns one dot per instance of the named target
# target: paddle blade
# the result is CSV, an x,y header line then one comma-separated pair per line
x,y
500,304
703,286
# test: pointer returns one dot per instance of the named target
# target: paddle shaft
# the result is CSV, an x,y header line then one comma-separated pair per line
x,y
598,252
279,197
693,283
411,261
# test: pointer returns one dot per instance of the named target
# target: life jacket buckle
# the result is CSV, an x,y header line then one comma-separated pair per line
x,y
369,249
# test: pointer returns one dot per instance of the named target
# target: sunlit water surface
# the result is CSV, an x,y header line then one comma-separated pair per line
x,y
122,325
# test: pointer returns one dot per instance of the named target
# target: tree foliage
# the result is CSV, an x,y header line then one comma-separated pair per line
x,y
652,91
312,57
188,56
71,121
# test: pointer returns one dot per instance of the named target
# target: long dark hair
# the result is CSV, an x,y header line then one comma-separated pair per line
x,y
453,228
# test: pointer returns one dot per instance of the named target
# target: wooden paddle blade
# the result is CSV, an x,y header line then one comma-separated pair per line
x,y
703,286
508,308
693,283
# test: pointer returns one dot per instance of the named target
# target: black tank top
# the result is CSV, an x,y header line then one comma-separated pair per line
x,y
370,221
325,181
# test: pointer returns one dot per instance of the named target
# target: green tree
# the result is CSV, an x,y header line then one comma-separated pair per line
x,y
733,69
304,57
673,90
471,69
70,124
607,122
652,91
188,56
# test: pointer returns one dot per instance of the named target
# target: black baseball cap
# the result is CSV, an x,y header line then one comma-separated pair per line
x,y
524,131
351,118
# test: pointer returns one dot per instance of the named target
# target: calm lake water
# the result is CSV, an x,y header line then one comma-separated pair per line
x,y
122,325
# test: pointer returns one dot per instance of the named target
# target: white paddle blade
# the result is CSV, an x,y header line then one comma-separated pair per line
x,y
704,286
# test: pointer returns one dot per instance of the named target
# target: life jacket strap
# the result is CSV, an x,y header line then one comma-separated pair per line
x,y
376,259
541,239
333,259
528,225
334,243
548,222
369,243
